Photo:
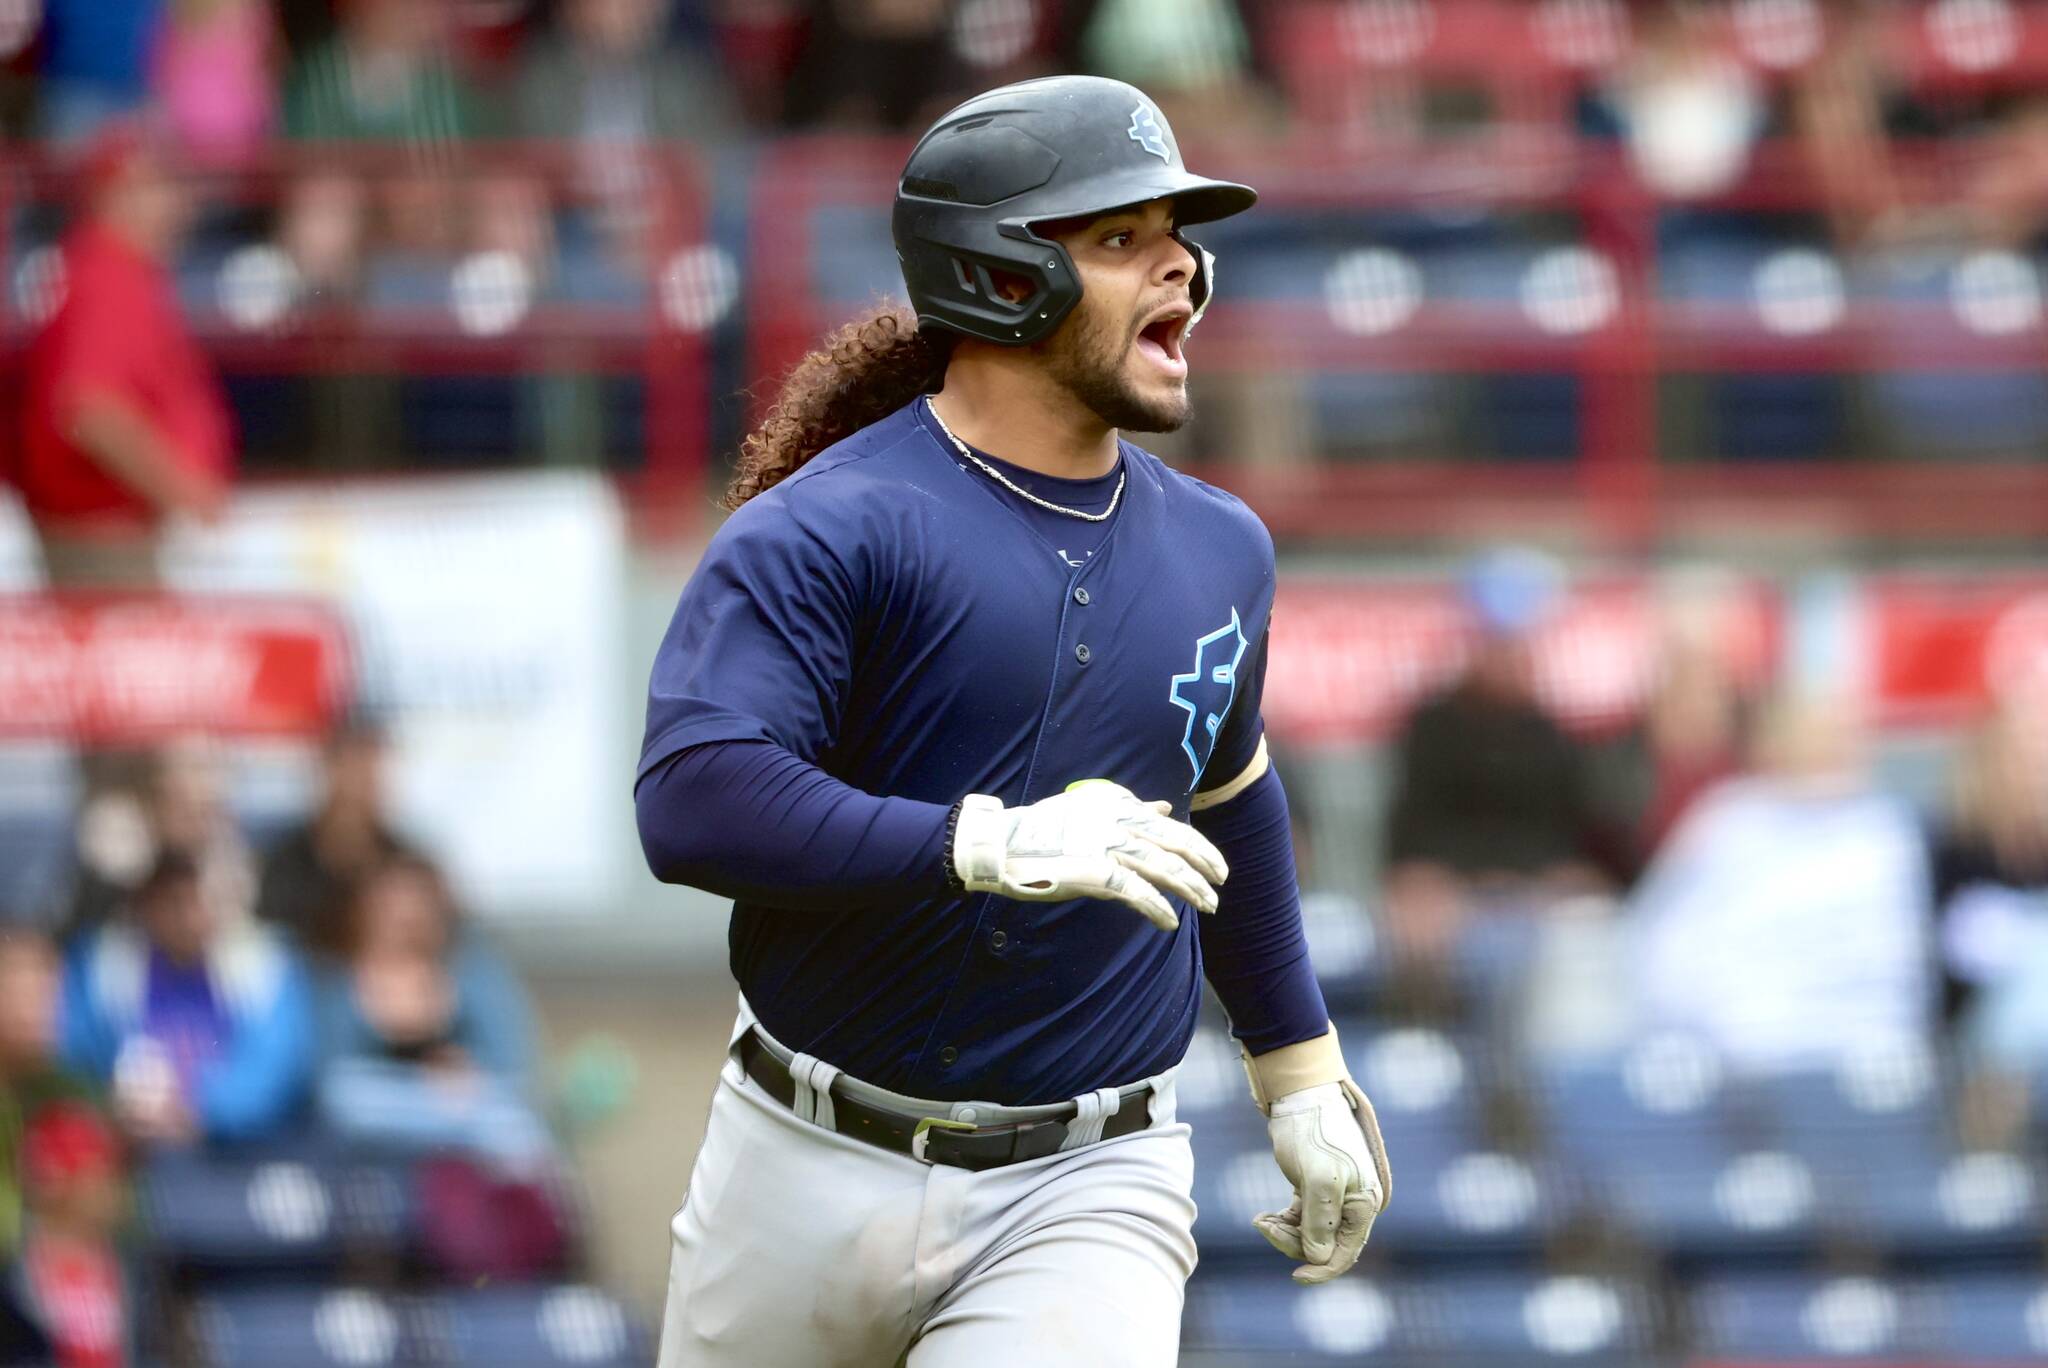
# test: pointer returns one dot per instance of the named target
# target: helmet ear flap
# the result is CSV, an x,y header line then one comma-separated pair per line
x,y
1202,287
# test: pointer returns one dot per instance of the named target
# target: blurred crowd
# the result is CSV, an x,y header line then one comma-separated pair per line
x,y
1733,866
553,168
195,993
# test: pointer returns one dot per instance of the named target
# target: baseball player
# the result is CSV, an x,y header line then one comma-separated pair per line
x,y
961,709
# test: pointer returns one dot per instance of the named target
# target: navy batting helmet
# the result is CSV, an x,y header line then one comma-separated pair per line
x,y
1056,148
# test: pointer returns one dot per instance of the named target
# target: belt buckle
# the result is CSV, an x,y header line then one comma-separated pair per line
x,y
925,1126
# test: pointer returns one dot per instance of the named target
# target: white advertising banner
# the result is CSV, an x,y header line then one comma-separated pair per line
x,y
485,617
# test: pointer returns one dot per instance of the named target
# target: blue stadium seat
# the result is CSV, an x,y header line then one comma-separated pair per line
x,y
1426,1088
1664,1101
1951,413
1343,945
1798,1317
1882,1107
287,1208
1988,1320
35,862
532,1327
853,257
1654,1141
305,1327
1981,1208
1235,1180
1479,1204
1493,1318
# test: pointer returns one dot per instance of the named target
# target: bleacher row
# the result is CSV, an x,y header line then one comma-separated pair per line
x,y
1647,1208
308,1255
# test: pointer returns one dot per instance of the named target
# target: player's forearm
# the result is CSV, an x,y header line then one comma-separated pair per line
x,y
1253,949
753,821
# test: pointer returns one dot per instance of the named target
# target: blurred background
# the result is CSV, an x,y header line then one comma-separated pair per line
x,y
1649,402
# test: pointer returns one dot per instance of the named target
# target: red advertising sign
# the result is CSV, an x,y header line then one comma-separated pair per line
x,y
1942,648
1348,660
132,669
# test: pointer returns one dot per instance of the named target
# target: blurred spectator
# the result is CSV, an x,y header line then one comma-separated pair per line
x,y
1492,799
125,421
386,77
875,64
1688,112
1688,740
1991,892
606,81
426,1036
95,63
214,78
30,1077
305,24
384,228
1195,57
67,1300
311,875
1786,920
143,805
188,812
200,1025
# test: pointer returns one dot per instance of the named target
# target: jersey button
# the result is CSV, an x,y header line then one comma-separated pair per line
x,y
948,1055
1080,596
1081,653
997,940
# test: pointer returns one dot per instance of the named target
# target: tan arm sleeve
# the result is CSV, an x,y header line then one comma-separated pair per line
x,y
1259,764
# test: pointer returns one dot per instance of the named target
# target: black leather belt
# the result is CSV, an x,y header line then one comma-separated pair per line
x,y
938,1139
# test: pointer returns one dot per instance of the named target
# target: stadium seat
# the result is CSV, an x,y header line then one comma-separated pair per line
x,y
1885,1106
1799,1317
1976,1209
1655,1143
305,1327
1343,946
1478,1204
1988,1320
1427,1089
1662,1102
533,1327
282,1209
1492,1318
1235,1180
35,851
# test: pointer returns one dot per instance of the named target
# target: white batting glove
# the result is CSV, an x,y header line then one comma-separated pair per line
x,y
1322,1150
1327,1141
1095,840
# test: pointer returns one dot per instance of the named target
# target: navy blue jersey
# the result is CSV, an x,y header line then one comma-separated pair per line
x,y
890,615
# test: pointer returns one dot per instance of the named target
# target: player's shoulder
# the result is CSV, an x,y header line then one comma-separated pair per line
x,y
1218,512
849,483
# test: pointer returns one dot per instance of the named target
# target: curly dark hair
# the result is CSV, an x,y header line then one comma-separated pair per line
x,y
859,375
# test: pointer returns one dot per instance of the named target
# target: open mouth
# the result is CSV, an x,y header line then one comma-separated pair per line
x,y
1160,339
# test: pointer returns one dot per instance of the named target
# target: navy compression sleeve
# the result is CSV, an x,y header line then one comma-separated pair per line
x,y
1253,948
751,820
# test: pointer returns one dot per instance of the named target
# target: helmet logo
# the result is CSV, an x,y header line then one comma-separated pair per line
x,y
1146,132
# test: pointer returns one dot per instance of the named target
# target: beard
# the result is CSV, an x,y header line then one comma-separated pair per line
x,y
1086,355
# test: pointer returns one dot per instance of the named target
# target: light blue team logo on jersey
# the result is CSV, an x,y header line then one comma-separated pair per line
x,y
1146,132
1205,692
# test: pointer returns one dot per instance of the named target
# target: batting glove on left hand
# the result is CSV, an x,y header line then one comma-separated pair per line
x,y
1095,840
1322,1149
1327,1142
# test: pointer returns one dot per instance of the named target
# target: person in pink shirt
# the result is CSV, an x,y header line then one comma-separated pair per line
x,y
213,75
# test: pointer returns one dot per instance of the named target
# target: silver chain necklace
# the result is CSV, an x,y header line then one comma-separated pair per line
x,y
1021,493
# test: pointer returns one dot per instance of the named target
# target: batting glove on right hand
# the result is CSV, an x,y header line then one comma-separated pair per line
x,y
1095,840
